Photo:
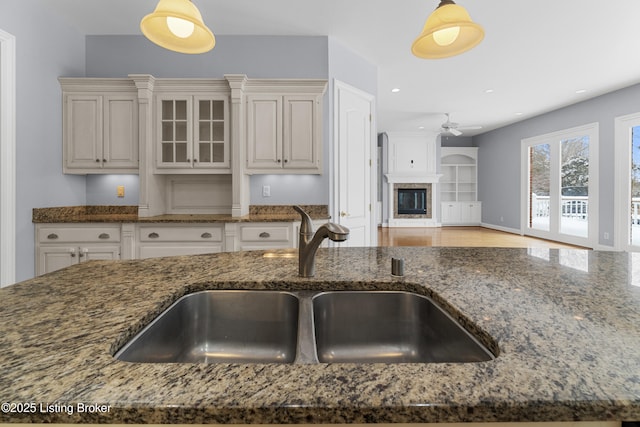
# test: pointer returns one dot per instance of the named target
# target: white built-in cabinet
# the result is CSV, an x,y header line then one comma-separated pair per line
x,y
62,245
459,186
192,133
100,126
158,240
284,132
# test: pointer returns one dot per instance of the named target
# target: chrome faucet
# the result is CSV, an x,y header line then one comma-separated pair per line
x,y
309,242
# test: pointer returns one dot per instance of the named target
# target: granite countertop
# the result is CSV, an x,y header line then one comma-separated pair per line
x,y
567,324
129,214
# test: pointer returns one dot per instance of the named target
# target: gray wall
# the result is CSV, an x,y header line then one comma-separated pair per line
x,y
499,157
46,47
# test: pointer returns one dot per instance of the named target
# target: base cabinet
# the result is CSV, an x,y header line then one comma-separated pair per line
x,y
64,245
461,213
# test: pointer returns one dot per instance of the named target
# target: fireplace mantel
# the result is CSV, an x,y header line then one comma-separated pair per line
x,y
403,178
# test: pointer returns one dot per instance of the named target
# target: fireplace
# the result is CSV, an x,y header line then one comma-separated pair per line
x,y
412,201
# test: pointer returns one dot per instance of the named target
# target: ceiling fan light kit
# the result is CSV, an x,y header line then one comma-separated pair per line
x,y
177,25
448,31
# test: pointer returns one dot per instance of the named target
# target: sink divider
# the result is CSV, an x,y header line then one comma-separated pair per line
x,y
306,353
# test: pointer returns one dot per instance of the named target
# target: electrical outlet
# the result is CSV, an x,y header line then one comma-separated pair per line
x,y
606,236
120,190
266,191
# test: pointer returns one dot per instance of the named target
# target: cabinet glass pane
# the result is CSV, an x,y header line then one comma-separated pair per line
x,y
218,131
167,110
167,152
167,131
218,110
205,110
181,131
218,152
204,152
205,131
181,110
181,152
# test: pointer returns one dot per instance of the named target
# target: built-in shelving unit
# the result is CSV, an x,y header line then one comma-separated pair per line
x,y
459,186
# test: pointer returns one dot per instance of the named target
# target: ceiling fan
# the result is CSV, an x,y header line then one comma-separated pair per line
x,y
453,128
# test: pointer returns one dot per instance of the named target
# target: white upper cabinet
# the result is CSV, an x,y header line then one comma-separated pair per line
x,y
192,133
100,126
284,129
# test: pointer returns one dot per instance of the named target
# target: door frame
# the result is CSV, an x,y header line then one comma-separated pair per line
x,y
623,124
339,86
7,158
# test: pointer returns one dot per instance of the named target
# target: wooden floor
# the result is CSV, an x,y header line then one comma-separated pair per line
x,y
460,237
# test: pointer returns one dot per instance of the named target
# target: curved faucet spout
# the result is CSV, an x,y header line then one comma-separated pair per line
x,y
309,242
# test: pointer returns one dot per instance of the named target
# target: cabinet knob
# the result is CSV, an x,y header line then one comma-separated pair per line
x,y
278,161
264,235
97,160
52,236
103,236
286,161
72,252
153,235
206,235
104,160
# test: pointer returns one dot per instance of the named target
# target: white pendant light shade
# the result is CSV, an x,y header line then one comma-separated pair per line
x,y
449,31
177,25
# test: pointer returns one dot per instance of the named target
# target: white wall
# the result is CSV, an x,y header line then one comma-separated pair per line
x,y
46,47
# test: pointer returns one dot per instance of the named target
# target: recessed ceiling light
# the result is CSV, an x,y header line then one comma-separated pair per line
x,y
420,127
395,90
519,113
581,91
488,91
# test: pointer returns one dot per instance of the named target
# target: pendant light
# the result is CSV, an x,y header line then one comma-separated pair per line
x,y
177,25
449,31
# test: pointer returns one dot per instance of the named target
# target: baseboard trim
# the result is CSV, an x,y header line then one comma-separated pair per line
x,y
500,228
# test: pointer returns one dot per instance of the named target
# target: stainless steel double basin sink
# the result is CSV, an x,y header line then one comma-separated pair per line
x,y
304,327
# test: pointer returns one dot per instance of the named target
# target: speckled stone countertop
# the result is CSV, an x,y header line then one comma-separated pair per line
x,y
122,214
567,324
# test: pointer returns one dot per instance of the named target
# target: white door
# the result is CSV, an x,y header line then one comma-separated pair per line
x,y
353,112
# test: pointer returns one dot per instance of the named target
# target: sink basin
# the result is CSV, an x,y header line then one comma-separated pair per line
x,y
389,327
220,327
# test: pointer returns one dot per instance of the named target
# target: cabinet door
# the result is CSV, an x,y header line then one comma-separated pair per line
x,y
83,131
174,132
470,212
211,133
54,258
300,136
120,150
264,132
450,213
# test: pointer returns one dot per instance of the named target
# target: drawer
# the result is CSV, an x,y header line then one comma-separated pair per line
x,y
58,234
265,234
181,234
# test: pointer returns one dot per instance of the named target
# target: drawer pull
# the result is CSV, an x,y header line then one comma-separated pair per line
x,y
264,235
206,235
153,235
104,236
52,236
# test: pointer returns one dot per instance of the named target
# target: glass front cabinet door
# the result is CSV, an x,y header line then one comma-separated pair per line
x,y
193,134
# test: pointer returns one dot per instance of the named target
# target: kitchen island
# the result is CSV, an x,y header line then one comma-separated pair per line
x,y
566,324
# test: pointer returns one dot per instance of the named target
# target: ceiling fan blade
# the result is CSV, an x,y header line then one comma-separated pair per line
x,y
455,132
